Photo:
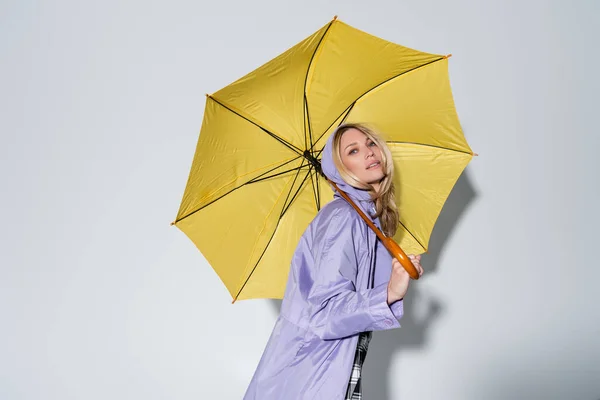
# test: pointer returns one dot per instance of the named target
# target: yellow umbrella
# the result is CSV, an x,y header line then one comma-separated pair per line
x,y
252,189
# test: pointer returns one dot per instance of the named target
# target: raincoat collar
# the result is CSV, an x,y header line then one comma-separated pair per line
x,y
360,196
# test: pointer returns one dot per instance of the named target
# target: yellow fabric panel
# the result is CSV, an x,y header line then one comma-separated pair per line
x,y
269,278
272,95
424,177
416,107
229,152
349,63
232,232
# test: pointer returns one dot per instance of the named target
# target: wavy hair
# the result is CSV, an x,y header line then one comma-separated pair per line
x,y
385,199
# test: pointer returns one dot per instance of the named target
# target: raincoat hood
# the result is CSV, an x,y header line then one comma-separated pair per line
x,y
360,196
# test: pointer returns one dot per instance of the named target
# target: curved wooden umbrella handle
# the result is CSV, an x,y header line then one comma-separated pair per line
x,y
396,251
388,242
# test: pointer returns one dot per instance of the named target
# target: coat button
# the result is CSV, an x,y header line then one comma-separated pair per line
x,y
389,322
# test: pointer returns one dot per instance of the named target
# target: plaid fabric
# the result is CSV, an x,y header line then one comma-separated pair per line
x,y
354,391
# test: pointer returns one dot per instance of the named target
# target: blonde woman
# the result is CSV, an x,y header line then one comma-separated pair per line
x,y
343,283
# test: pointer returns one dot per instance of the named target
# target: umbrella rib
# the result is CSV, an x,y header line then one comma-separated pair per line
x,y
237,187
307,123
397,76
312,181
306,82
274,136
265,249
428,145
277,174
293,183
295,194
297,191
413,236
318,194
347,111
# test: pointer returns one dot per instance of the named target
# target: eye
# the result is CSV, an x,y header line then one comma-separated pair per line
x,y
352,151
372,144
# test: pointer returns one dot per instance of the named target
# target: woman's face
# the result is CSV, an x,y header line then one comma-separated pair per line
x,y
361,156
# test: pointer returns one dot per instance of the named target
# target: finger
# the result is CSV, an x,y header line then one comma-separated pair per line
x,y
401,268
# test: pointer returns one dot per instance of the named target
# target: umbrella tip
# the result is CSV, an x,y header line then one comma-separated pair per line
x,y
172,223
475,154
208,95
334,17
448,56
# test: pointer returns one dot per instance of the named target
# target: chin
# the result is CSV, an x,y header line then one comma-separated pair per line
x,y
374,181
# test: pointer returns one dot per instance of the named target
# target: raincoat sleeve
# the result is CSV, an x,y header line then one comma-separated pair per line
x,y
336,308
397,308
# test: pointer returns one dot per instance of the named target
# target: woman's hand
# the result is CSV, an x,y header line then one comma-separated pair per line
x,y
399,279
416,260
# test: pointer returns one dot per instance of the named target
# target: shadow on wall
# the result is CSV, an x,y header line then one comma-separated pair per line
x,y
414,331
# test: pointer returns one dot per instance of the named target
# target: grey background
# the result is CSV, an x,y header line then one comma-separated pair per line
x,y
100,109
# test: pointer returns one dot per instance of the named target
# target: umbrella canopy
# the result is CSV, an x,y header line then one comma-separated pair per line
x,y
253,187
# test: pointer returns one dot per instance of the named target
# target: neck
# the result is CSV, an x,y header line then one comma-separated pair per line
x,y
376,186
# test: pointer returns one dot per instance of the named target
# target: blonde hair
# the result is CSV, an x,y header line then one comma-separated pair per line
x,y
385,199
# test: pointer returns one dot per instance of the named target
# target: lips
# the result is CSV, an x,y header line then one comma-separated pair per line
x,y
375,164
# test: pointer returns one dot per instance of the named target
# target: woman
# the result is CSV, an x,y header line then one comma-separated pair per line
x,y
343,283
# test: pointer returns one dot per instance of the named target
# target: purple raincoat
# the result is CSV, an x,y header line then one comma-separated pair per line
x,y
337,288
